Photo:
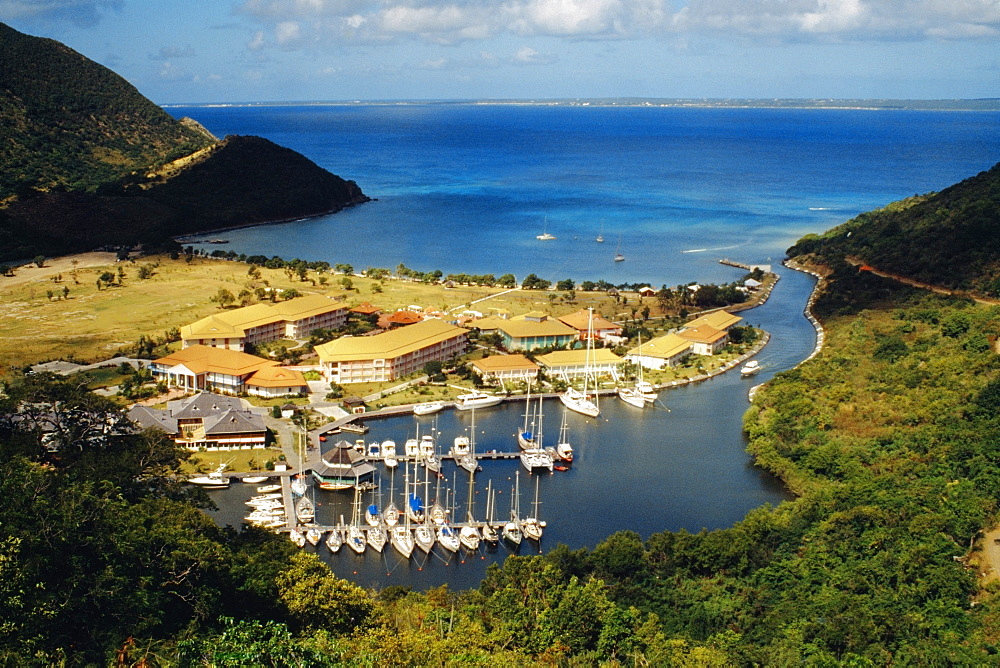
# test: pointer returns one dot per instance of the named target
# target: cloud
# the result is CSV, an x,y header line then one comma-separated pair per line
x,y
528,56
454,21
82,13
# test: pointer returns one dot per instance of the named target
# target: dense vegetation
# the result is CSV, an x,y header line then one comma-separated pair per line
x,y
83,155
950,238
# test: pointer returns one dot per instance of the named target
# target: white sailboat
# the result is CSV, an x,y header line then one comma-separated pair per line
x,y
313,534
490,534
618,252
468,535
600,236
563,449
376,538
468,460
391,512
532,526
574,399
335,539
526,436
356,539
512,529
545,236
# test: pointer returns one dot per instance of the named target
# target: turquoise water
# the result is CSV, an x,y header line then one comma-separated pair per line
x,y
466,188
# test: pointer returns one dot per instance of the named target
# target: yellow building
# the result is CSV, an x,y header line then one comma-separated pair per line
x,y
582,322
567,364
721,320
663,351
392,354
705,339
527,332
506,368
261,323
227,371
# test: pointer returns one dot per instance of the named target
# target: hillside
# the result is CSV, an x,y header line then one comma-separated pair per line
x,y
950,238
88,162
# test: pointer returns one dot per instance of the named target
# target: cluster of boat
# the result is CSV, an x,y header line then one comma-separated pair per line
x,y
417,526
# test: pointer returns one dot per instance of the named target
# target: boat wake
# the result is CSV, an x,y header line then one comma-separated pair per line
x,y
821,208
717,248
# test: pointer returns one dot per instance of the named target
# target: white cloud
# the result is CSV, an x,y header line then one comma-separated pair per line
x,y
84,13
454,21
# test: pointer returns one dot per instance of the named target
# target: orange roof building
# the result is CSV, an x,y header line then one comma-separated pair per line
x,y
705,339
580,321
228,371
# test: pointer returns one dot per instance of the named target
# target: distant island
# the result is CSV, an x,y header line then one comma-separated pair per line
x,y
982,104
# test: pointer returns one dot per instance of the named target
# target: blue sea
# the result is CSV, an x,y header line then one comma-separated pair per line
x,y
466,188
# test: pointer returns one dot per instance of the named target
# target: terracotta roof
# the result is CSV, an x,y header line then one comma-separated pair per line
x,y
716,320
579,320
389,345
663,346
207,359
404,318
495,363
366,309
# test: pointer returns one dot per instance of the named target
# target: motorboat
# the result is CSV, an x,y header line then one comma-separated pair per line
x,y
751,368
268,489
476,399
388,453
411,448
428,408
213,480
646,390
254,479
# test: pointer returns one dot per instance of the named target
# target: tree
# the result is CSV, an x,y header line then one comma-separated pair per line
x,y
223,298
65,292
107,278
507,281
565,284
533,282
316,599
40,261
145,271
434,369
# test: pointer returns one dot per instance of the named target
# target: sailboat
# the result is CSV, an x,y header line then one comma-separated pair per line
x,y
428,453
563,449
618,252
414,504
512,529
490,534
391,513
468,460
376,538
532,526
334,539
642,392
297,537
526,437
600,237
545,236
468,535
574,399
401,538
356,539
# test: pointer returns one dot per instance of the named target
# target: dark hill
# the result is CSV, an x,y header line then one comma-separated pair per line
x,y
87,161
950,238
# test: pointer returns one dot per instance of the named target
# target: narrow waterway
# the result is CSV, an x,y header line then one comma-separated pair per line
x,y
680,465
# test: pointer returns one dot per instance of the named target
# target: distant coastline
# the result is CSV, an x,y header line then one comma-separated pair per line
x,y
873,104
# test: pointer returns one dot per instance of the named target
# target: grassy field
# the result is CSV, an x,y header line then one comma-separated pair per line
x,y
93,323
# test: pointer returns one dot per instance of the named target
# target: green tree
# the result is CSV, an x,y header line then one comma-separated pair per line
x,y
316,599
40,261
224,298
565,284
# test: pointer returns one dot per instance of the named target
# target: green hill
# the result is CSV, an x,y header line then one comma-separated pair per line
x,y
950,238
88,162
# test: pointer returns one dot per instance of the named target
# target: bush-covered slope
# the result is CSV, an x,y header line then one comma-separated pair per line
x,y
66,121
950,238
83,158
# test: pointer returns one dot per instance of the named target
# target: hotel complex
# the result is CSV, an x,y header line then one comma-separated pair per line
x,y
390,355
293,319
228,371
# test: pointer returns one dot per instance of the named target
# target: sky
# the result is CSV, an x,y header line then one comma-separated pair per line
x,y
228,51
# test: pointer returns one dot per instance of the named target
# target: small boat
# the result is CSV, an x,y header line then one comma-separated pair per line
x,y
372,515
334,540
424,537
476,399
545,236
356,539
254,479
313,535
360,428
305,510
411,448
376,538
512,529
297,537
645,389
631,397
618,252
751,368
577,401
213,480
428,408
268,489
469,537
402,539
299,485
531,527
536,458
560,467
564,450
448,538
388,453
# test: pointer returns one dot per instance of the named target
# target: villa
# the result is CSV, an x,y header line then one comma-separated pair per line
x,y
663,351
528,332
505,368
390,355
206,420
228,371
293,319
569,364
721,320
705,339
582,323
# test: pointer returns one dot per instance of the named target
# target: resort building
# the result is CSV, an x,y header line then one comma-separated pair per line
x,y
390,355
581,322
663,351
569,364
293,319
228,371
722,320
400,319
506,368
205,421
529,331
343,467
705,339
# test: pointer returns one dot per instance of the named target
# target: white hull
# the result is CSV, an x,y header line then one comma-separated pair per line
x,y
575,401
467,402
402,541
631,397
424,538
428,408
376,538
751,368
448,539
